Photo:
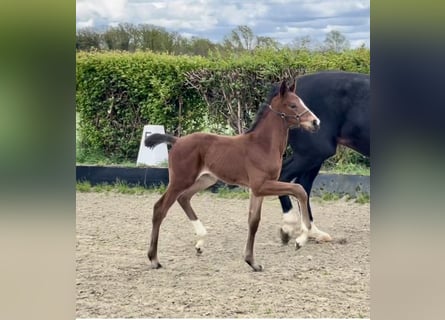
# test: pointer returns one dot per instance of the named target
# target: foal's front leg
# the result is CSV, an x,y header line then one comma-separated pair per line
x,y
254,220
277,188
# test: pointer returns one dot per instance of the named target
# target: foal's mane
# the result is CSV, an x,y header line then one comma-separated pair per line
x,y
263,107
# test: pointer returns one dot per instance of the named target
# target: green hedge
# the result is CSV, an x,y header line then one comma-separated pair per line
x,y
119,92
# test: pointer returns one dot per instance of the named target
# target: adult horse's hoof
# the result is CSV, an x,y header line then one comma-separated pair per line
x,y
301,241
323,238
198,251
285,237
318,235
288,229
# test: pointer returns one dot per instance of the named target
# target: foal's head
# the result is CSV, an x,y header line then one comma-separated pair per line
x,y
292,109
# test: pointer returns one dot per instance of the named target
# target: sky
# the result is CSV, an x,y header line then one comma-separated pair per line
x,y
283,20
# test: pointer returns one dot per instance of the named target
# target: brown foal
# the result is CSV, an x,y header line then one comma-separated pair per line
x,y
252,159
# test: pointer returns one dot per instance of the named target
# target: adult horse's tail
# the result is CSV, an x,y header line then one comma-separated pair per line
x,y
157,138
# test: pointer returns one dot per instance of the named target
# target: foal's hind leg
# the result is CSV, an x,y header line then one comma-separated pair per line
x,y
203,182
159,212
254,220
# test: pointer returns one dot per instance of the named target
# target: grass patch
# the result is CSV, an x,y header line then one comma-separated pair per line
x,y
363,198
328,196
125,188
118,187
160,189
83,186
233,193
348,168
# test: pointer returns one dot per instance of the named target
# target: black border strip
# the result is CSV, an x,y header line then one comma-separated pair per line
x,y
341,184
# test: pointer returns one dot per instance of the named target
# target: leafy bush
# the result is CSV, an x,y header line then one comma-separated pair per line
x,y
119,92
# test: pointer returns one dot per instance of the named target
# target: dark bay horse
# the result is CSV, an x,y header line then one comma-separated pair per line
x,y
253,160
341,100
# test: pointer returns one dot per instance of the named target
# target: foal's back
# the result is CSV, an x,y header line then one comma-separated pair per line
x,y
221,156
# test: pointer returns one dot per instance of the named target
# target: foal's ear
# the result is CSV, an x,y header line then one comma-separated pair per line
x,y
283,88
293,86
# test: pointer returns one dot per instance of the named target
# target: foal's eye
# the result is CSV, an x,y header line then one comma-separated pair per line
x,y
293,106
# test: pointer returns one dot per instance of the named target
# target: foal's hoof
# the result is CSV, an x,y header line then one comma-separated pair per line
x,y
285,237
198,251
258,268
297,246
156,265
254,266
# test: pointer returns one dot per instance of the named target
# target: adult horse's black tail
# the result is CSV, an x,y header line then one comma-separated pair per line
x,y
157,138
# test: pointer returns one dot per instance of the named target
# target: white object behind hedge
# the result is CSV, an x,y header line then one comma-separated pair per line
x,y
156,156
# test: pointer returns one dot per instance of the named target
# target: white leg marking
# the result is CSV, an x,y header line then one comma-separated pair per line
x,y
291,220
302,238
318,235
200,232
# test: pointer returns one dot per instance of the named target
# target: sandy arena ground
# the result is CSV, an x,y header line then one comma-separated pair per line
x,y
330,280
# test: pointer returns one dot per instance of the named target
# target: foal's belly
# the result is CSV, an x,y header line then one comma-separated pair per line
x,y
233,177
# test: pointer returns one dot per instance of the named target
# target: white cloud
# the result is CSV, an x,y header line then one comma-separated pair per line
x,y
85,24
281,19
242,14
110,9
333,8
173,14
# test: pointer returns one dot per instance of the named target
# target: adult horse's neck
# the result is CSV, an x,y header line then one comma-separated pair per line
x,y
271,131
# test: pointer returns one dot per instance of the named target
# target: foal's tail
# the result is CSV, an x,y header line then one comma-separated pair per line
x,y
157,138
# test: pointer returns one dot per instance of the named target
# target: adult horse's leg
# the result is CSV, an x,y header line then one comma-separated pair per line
x,y
307,180
303,167
254,220
203,182
289,172
291,218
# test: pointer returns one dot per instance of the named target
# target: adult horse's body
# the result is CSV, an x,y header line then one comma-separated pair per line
x,y
341,100
253,159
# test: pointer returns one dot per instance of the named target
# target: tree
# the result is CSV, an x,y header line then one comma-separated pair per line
x,y
156,38
201,46
336,42
241,38
117,38
267,42
87,39
302,43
